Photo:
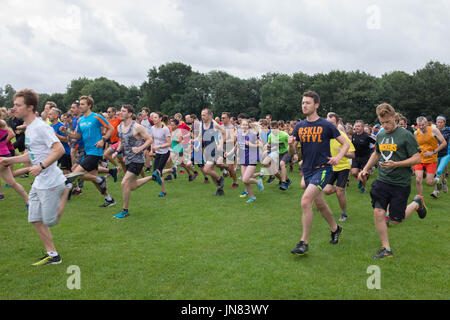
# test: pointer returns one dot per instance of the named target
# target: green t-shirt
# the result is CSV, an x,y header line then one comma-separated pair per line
x,y
398,145
281,139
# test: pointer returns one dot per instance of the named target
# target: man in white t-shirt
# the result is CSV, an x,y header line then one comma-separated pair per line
x,y
48,194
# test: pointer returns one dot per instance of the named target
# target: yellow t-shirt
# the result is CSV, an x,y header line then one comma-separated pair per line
x,y
334,149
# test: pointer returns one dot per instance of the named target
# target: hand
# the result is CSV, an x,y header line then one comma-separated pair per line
x,y
35,170
100,144
135,150
388,164
428,154
63,129
363,175
114,155
333,160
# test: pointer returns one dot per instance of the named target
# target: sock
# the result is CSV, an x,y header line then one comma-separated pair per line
x,y
52,254
69,186
126,210
98,180
344,213
108,198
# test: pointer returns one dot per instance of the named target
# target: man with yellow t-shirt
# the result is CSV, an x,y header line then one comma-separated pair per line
x,y
428,139
341,170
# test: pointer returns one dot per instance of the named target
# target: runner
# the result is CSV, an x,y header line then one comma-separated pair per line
x,y
65,161
228,144
247,147
89,129
398,151
278,143
314,134
341,170
134,139
428,138
443,157
48,194
362,142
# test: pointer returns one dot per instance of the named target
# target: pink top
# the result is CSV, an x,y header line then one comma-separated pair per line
x,y
4,150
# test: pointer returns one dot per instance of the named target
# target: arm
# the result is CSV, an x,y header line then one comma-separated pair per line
x,y
56,153
415,159
106,136
11,134
292,145
142,133
372,161
344,149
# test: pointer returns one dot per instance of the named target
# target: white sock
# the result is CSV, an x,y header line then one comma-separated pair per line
x,y
108,198
52,254
98,180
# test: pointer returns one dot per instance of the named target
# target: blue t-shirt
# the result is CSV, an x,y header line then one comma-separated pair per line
x,y
314,138
57,128
75,121
90,128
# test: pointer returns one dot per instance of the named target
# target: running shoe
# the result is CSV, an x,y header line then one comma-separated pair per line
x,y
168,178
435,194
157,176
113,173
234,185
244,194
271,179
77,192
191,178
206,181
360,185
363,190
343,217
300,249
444,186
2,197
335,235
288,182
71,177
220,192
122,214
260,185
383,253
174,172
250,200
422,209
283,186
220,182
47,259
108,203
162,194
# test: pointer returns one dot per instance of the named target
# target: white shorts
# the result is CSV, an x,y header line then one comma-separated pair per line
x,y
44,204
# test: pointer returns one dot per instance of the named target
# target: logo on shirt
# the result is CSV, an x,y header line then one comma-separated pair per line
x,y
387,148
310,134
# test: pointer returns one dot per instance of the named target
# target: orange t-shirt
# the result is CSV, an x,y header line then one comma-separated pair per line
x,y
427,142
115,123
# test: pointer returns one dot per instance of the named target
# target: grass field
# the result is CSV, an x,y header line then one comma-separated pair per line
x,y
192,245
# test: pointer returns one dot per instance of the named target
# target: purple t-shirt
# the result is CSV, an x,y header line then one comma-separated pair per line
x,y
247,154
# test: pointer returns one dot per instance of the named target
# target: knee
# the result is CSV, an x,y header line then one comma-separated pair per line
x,y
50,222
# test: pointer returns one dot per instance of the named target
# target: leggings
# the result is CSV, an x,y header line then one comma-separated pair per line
x,y
442,164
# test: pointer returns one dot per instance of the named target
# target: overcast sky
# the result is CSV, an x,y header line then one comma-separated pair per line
x,y
45,44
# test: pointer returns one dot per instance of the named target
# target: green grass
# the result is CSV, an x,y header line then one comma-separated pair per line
x,y
192,245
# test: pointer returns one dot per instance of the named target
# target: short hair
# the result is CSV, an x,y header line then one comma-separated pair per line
x,y
274,124
175,120
385,109
52,104
333,115
178,115
208,110
193,117
30,97
89,100
360,121
129,108
113,109
57,111
159,114
146,110
312,94
421,119
242,116
227,114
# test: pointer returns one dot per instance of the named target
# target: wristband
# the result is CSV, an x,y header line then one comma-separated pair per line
x,y
42,166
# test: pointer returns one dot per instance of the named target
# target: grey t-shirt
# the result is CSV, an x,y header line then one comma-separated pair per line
x,y
160,137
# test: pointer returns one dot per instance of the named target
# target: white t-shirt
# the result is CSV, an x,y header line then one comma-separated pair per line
x,y
147,125
160,136
39,138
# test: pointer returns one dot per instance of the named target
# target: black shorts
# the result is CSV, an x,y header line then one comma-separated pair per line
x,y
90,163
359,162
285,157
65,162
160,161
396,197
134,167
340,177
19,145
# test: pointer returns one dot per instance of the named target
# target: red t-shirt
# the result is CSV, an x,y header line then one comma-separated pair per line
x,y
115,123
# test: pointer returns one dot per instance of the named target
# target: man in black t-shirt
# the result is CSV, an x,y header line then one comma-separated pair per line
x,y
314,134
13,123
363,143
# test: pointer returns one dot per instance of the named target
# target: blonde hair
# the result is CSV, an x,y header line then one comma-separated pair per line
x,y
385,109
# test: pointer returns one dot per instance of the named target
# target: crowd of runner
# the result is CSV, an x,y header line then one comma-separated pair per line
x,y
139,146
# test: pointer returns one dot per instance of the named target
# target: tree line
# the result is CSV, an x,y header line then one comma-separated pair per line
x,y
175,87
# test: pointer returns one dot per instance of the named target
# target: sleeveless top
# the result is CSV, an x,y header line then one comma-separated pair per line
x,y
128,142
427,142
4,150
